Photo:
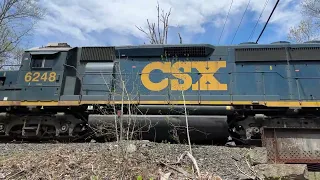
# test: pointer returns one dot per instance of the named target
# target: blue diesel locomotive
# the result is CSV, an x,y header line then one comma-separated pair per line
x,y
244,92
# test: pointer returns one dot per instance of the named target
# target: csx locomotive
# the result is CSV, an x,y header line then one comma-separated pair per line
x,y
154,92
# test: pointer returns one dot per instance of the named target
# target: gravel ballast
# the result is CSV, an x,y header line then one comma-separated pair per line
x,y
126,160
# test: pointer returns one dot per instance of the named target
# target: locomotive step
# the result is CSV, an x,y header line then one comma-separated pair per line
x,y
30,128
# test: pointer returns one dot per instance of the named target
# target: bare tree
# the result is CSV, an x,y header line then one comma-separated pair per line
x,y
305,31
157,33
13,60
17,20
311,8
308,28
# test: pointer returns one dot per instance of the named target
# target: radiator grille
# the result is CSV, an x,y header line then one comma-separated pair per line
x,y
277,54
307,53
186,51
260,54
98,54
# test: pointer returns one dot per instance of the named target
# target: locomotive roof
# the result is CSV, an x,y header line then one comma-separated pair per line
x,y
58,47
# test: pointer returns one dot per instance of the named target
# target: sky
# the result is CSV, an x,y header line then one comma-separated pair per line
x,y
113,22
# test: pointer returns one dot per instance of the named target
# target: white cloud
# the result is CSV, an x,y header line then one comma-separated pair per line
x,y
80,19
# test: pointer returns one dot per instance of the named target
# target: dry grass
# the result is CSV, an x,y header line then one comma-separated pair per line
x,y
72,164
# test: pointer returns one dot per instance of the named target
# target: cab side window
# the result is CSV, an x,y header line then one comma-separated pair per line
x,y
37,63
42,61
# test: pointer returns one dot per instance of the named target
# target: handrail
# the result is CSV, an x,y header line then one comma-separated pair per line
x,y
5,65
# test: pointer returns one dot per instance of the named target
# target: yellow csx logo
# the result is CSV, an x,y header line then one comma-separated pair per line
x,y
207,81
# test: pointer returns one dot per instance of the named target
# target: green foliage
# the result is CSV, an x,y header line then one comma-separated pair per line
x,y
140,178
94,177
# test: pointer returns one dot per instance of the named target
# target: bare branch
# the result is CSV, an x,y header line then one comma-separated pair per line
x,y
156,34
308,28
311,8
305,31
178,169
158,9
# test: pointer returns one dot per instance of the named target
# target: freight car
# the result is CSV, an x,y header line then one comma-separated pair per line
x,y
246,92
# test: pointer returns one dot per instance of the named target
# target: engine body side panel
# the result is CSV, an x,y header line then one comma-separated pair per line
x,y
284,75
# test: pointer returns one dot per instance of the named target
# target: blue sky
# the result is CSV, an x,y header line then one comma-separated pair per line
x,y
112,22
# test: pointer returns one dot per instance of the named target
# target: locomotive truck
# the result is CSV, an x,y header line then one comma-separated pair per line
x,y
249,93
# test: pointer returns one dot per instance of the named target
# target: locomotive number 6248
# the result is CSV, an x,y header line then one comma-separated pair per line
x,y
37,76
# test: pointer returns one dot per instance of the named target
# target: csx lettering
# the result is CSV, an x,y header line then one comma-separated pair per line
x,y
37,76
207,81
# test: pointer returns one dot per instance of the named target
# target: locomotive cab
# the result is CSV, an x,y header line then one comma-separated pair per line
x,y
41,72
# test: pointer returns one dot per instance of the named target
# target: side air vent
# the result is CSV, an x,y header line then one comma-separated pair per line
x,y
100,54
260,54
147,51
305,53
196,51
277,54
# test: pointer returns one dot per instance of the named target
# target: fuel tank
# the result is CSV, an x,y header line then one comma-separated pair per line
x,y
202,129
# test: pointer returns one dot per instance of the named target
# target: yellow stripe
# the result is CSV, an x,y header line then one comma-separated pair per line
x,y
39,103
226,103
